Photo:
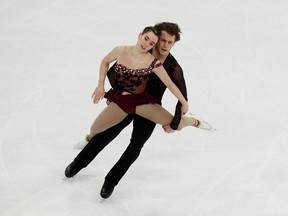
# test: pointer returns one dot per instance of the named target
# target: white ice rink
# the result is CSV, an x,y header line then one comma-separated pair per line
x,y
234,56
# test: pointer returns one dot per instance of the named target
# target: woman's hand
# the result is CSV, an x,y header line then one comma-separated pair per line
x,y
98,94
126,93
167,129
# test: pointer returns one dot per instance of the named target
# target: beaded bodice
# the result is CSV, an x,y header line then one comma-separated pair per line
x,y
133,80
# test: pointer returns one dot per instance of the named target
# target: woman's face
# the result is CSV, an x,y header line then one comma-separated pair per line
x,y
147,41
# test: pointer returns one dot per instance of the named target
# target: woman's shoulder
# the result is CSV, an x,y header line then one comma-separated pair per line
x,y
123,48
151,58
154,62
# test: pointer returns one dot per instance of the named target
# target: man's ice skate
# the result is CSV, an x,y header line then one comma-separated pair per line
x,y
107,189
72,169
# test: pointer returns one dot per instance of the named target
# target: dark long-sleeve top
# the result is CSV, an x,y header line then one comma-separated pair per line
x,y
156,87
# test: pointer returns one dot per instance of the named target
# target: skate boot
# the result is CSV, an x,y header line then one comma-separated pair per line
x,y
204,125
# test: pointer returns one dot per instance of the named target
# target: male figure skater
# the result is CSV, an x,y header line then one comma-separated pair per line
x,y
142,128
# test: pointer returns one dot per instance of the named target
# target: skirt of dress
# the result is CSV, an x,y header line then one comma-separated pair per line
x,y
128,103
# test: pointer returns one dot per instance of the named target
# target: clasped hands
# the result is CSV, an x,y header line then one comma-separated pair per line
x,y
184,110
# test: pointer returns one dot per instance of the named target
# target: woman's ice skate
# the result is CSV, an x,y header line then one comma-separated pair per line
x,y
81,144
202,124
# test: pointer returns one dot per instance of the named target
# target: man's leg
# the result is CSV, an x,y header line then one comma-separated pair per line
x,y
142,130
95,145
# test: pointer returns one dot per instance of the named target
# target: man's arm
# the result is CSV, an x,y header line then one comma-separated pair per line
x,y
111,78
178,79
162,74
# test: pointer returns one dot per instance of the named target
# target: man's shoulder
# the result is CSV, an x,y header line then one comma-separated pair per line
x,y
171,61
172,58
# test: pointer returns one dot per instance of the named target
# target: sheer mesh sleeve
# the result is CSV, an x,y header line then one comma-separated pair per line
x,y
112,80
178,78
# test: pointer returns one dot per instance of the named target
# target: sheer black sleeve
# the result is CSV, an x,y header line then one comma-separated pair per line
x,y
178,78
111,78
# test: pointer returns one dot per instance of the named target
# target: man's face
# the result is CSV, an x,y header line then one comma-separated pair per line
x,y
165,43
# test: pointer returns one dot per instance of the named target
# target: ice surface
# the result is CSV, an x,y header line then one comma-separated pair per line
x,y
234,55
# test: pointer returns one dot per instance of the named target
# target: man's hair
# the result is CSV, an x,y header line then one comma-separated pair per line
x,y
170,28
150,29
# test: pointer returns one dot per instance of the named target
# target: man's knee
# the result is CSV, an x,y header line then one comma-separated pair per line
x,y
137,142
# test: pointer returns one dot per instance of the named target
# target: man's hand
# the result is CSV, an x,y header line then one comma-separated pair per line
x,y
184,109
98,94
167,129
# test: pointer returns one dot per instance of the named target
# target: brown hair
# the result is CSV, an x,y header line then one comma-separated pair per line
x,y
170,28
150,29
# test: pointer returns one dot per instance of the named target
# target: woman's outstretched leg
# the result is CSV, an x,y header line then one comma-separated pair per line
x,y
160,115
110,116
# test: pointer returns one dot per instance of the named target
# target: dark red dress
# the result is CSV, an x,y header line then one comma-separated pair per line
x,y
133,81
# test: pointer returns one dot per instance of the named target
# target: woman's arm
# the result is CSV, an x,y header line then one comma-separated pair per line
x,y
110,57
162,74
99,92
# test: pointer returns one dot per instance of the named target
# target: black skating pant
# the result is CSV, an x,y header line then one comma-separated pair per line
x,y
142,130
